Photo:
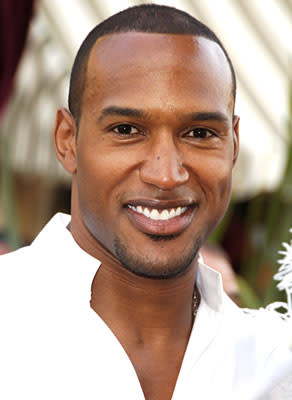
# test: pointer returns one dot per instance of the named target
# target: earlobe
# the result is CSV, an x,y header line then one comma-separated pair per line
x,y
235,137
64,139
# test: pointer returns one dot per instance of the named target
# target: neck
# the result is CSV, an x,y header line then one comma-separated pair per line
x,y
152,319
135,307
142,308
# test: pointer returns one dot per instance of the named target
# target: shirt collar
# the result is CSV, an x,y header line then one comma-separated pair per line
x,y
209,283
57,238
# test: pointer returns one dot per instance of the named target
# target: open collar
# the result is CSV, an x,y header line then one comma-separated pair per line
x,y
55,237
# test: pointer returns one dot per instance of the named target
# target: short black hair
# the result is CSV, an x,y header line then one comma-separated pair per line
x,y
150,18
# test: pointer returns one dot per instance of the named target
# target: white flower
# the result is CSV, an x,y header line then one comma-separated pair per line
x,y
284,276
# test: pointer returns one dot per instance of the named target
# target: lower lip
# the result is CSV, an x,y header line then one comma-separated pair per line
x,y
172,226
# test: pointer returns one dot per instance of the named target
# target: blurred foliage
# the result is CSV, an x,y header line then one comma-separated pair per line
x,y
268,221
247,295
8,194
265,225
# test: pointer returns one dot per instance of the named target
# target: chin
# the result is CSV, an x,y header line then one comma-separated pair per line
x,y
148,267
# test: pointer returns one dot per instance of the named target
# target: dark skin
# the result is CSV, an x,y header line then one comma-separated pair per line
x,y
156,130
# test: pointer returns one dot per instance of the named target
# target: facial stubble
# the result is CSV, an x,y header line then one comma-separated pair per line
x,y
142,266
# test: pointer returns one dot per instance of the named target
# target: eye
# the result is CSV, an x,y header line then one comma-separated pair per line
x,y
200,133
126,129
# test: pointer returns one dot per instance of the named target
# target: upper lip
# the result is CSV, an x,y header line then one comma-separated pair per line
x,y
161,204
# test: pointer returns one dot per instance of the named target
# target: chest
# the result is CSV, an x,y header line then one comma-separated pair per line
x,y
158,371
77,356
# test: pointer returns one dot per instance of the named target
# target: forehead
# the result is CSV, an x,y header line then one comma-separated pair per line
x,y
164,67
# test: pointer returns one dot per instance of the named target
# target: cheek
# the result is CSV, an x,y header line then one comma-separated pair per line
x,y
101,175
216,191
91,178
93,195
217,177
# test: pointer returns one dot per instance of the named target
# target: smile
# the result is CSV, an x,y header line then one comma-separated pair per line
x,y
159,214
161,218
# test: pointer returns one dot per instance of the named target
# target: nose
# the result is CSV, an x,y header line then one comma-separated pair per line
x,y
163,166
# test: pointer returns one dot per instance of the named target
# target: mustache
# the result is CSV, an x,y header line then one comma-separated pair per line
x,y
161,199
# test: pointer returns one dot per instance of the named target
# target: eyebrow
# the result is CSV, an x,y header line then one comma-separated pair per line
x,y
122,111
137,113
208,116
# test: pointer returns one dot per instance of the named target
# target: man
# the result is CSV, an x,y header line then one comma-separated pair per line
x,y
150,141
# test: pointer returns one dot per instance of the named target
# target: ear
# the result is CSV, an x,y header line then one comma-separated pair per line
x,y
64,138
235,137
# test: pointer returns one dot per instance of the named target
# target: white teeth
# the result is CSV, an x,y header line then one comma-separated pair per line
x,y
164,215
154,214
146,212
159,215
172,213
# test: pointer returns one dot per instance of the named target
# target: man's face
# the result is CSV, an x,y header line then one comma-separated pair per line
x,y
155,148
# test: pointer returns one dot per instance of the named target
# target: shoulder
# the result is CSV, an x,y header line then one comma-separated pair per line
x,y
262,323
17,270
15,260
49,243
262,334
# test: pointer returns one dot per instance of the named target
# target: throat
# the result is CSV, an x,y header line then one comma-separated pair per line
x,y
151,318
158,369
144,309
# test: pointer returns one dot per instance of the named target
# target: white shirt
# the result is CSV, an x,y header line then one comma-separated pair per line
x,y
53,346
